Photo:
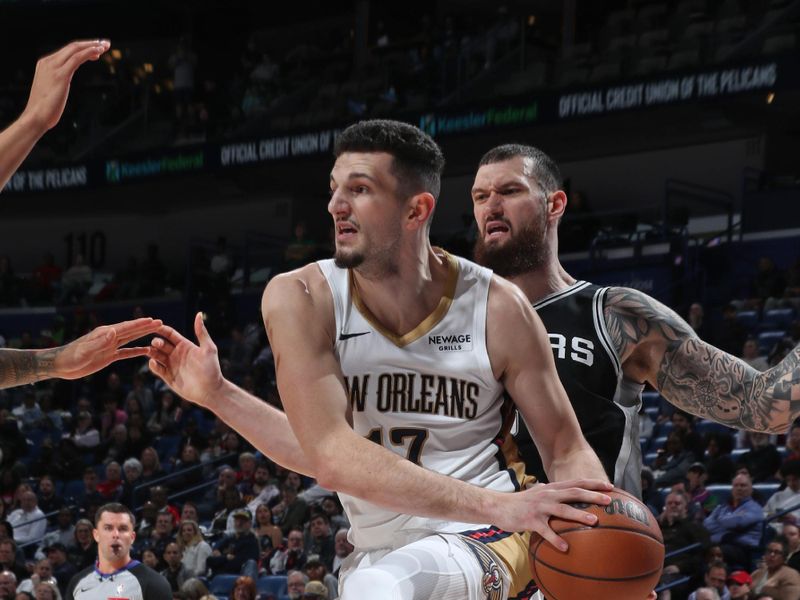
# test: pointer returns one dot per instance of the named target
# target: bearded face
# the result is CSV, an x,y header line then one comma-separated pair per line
x,y
522,249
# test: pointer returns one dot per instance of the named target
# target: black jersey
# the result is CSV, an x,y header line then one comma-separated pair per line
x,y
134,581
605,403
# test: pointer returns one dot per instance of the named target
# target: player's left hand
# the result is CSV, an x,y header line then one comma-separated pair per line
x,y
101,347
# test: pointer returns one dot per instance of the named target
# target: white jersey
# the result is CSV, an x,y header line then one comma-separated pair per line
x,y
429,396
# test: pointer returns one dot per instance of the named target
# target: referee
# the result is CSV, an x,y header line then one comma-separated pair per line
x,y
115,576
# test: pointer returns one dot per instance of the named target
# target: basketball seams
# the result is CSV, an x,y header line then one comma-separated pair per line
x,y
616,527
593,578
543,588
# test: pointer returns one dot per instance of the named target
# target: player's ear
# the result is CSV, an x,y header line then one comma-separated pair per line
x,y
96,535
420,210
556,205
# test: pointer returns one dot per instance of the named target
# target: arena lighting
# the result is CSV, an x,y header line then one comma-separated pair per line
x,y
116,54
148,67
770,97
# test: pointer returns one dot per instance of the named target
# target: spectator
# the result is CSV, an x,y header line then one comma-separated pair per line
x,y
683,423
224,520
739,585
48,501
43,571
85,434
787,497
262,490
333,508
269,535
679,531
291,511
140,394
300,248
752,356
714,578
149,558
161,536
151,465
64,532
133,478
47,590
768,281
673,461
175,572
343,549
719,462
736,525
793,442
317,571
164,420
244,589
731,334
699,495
63,570
189,512
75,281
214,499
296,584
45,277
194,549
319,540
290,555
159,494
763,460
245,476
190,467
90,497
8,584
9,562
112,415
118,446
194,589
791,531
696,320
111,488
83,551
28,521
775,578
237,552
28,414
316,590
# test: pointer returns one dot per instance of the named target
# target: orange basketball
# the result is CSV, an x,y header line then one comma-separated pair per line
x,y
619,558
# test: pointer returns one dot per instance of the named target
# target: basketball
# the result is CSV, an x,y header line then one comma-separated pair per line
x,y
619,558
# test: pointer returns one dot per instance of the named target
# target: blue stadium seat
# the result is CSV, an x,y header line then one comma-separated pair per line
x,y
777,318
766,489
767,339
272,584
650,399
721,490
748,318
662,429
74,490
704,426
222,584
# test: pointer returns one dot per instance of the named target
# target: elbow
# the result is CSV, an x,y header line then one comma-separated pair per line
x,y
327,474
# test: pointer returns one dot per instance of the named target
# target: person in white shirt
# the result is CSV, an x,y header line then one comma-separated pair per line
x,y
787,497
28,521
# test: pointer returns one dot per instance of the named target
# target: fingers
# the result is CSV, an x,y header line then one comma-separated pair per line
x,y
76,60
168,333
65,54
128,331
588,484
552,537
570,513
159,369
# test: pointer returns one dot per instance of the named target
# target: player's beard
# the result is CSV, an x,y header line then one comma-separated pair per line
x,y
524,251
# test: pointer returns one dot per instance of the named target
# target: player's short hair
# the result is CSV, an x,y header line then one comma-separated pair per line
x,y
418,160
116,508
545,169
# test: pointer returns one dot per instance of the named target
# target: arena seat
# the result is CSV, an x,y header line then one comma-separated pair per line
x,y
777,319
272,584
748,319
767,339
222,584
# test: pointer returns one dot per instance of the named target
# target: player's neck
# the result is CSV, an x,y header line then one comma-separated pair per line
x,y
402,300
107,568
544,281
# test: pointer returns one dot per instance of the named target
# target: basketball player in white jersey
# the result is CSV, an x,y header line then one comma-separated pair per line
x,y
391,362
609,341
101,347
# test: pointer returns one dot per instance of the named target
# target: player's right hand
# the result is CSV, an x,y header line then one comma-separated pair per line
x,y
191,370
53,76
531,509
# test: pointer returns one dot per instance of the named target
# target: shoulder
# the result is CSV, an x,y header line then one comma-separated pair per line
x,y
306,286
75,580
154,585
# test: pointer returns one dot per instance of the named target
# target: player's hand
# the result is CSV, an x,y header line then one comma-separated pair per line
x,y
537,504
101,347
53,76
192,371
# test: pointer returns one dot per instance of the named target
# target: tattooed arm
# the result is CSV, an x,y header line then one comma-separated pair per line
x,y
655,345
79,358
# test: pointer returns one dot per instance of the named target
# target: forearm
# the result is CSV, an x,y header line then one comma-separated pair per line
x,y
577,464
18,367
715,385
264,426
16,142
366,470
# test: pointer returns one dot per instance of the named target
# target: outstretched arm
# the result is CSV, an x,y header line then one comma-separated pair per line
x,y
657,346
84,356
46,102
193,371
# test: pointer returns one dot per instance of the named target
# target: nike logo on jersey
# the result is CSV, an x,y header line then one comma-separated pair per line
x,y
346,336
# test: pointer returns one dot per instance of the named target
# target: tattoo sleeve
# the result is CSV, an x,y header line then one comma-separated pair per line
x,y
18,367
696,376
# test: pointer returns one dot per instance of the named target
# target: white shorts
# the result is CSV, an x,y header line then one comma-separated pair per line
x,y
442,566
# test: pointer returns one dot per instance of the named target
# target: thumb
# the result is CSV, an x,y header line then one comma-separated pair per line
x,y
201,332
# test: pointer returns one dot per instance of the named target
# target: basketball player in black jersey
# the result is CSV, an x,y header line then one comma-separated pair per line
x,y
608,342
102,346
